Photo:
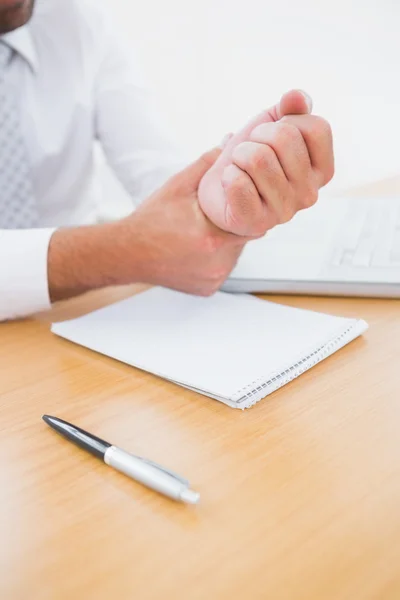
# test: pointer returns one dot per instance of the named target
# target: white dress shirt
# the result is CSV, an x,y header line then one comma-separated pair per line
x,y
76,82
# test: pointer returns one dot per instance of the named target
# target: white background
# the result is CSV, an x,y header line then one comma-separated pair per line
x,y
214,63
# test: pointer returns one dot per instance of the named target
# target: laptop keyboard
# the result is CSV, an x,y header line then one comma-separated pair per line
x,y
370,237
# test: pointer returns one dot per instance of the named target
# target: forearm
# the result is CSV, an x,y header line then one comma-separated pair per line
x,y
87,258
41,266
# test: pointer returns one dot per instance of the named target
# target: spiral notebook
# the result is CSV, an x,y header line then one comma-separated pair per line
x,y
234,348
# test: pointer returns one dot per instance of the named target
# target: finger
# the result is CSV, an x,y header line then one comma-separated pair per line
x,y
289,146
261,163
295,102
191,176
317,135
245,209
211,193
225,140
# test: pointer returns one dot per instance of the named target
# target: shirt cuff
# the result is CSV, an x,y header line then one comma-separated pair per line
x,y
24,285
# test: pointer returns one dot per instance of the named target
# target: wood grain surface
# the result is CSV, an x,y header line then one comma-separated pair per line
x,y
300,495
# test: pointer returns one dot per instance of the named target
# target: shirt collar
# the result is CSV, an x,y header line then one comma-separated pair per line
x,y
21,41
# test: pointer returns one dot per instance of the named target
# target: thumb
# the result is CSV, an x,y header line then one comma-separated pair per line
x,y
193,174
295,102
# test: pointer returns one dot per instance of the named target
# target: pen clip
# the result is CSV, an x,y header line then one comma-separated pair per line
x,y
164,470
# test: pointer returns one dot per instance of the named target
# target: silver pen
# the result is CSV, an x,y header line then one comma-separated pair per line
x,y
145,471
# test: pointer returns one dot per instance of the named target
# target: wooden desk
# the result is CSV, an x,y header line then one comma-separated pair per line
x,y
300,494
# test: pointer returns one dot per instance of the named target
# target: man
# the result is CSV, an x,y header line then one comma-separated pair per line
x,y
66,80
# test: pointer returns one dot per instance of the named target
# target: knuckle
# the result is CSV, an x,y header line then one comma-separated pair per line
x,y
287,206
241,185
286,215
320,128
271,218
309,198
329,172
287,133
284,207
262,158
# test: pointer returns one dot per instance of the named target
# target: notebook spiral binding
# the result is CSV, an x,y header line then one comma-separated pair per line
x,y
258,389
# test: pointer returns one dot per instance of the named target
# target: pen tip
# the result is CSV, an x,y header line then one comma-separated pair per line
x,y
190,496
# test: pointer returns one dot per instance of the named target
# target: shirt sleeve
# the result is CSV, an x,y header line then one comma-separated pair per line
x,y
134,137
23,272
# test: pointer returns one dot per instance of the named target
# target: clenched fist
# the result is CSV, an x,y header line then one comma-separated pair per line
x,y
189,234
270,169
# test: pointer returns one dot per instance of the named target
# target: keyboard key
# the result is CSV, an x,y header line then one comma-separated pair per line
x,y
337,257
362,257
351,232
370,237
347,258
364,252
395,249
